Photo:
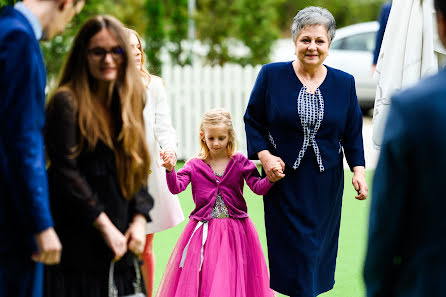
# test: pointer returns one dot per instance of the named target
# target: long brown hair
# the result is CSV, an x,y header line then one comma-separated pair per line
x,y
129,146
143,71
215,117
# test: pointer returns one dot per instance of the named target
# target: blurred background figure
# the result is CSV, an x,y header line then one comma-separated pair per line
x,y
162,142
406,246
99,165
308,137
411,26
383,17
26,225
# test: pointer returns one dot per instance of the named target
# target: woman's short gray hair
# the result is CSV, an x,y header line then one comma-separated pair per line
x,y
313,15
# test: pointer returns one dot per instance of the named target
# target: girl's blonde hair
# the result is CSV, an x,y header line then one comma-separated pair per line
x,y
127,104
143,71
216,117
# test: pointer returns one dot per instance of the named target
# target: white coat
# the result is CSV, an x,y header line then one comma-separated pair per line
x,y
167,212
410,50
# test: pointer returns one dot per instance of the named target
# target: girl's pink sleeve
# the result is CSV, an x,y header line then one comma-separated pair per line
x,y
258,185
177,182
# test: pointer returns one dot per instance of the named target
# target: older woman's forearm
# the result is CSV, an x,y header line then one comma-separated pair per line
x,y
263,155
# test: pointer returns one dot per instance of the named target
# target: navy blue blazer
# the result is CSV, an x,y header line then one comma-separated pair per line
x,y
383,18
407,243
272,108
24,206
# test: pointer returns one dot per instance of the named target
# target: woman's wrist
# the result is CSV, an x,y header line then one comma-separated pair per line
x,y
359,170
103,223
263,154
139,218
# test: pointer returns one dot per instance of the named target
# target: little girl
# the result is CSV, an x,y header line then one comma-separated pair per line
x,y
218,253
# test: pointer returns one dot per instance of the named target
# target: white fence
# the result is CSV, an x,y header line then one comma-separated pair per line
x,y
193,90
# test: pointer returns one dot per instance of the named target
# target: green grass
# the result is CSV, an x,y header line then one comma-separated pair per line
x,y
352,241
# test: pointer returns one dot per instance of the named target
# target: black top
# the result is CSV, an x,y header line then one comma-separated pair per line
x,y
81,187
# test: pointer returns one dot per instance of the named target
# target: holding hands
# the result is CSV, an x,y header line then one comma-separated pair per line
x,y
277,172
272,165
169,158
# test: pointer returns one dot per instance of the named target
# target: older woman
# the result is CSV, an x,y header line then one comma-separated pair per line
x,y
304,115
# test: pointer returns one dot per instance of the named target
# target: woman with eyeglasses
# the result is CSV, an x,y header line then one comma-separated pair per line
x,y
99,165
162,142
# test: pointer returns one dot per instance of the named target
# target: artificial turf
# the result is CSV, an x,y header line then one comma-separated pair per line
x,y
352,240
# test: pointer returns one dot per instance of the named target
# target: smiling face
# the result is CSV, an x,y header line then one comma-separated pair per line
x,y
216,138
136,49
105,56
312,45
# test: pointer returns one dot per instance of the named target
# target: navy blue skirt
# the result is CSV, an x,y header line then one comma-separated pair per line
x,y
302,219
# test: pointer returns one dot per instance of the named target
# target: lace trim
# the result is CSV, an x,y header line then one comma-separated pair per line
x,y
219,210
310,108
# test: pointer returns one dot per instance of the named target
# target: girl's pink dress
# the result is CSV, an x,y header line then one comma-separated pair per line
x,y
219,250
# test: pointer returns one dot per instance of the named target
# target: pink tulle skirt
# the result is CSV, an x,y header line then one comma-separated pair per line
x,y
233,262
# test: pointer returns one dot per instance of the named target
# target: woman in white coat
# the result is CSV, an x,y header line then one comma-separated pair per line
x,y
161,140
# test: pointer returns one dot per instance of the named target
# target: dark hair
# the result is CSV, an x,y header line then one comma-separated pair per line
x,y
440,7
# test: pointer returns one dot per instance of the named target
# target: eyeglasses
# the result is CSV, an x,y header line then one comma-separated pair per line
x,y
99,53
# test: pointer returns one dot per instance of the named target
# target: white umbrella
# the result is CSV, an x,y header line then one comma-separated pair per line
x,y
410,50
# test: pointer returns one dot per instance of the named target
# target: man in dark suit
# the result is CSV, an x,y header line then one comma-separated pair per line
x,y
383,18
406,253
27,237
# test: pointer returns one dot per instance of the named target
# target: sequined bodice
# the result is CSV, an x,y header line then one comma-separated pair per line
x,y
219,210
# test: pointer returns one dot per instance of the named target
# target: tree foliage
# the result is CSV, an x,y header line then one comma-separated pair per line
x,y
177,30
257,27
215,25
167,28
219,24
155,34
257,24
345,12
252,22
3,3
